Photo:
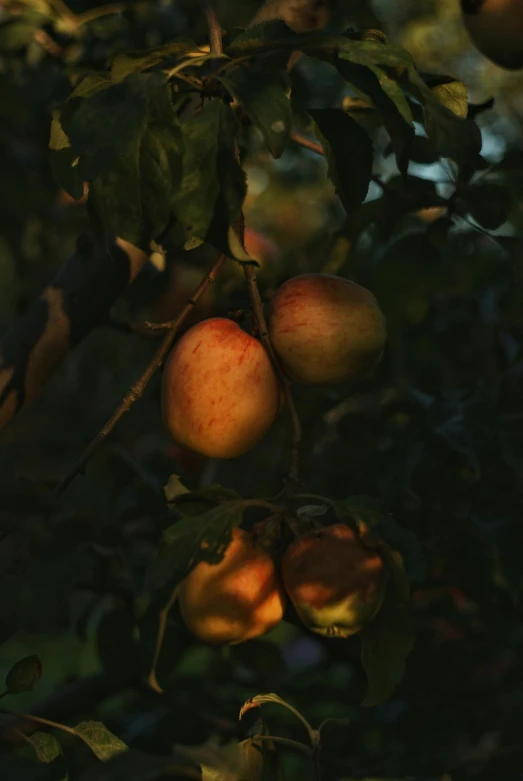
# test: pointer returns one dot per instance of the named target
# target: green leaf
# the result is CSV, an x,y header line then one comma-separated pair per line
x,y
64,160
133,196
90,84
452,93
386,643
135,765
198,502
261,761
137,61
265,36
489,204
24,675
174,488
196,538
263,94
388,99
414,265
453,137
46,747
213,185
349,154
367,510
110,122
100,740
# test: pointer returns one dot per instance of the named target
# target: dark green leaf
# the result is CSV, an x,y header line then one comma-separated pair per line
x,y
388,100
453,137
213,186
136,61
365,509
349,154
264,36
193,539
386,643
136,766
488,203
24,675
413,265
264,97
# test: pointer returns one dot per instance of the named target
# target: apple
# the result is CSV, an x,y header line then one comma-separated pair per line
x,y
326,329
496,29
336,584
235,600
220,394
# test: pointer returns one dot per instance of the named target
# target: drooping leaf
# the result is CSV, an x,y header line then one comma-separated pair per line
x,y
46,746
414,265
263,94
261,37
452,93
488,203
388,99
349,153
24,675
386,643
135,765
193,539
367,510
137,61
100,740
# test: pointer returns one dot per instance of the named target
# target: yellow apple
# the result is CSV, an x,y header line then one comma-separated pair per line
x,y
235,600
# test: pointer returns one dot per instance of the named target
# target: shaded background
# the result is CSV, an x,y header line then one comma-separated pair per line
x,y
435,433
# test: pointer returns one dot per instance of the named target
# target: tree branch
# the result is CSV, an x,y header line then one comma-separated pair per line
x,y
307,143
138,388
75,302
215,30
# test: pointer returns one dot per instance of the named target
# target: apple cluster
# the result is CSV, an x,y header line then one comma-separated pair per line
x,y
335,584
220,396
220,392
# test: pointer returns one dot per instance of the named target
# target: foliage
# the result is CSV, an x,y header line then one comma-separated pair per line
x,y
423,458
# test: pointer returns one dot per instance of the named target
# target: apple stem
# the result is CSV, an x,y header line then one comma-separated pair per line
x,y
136,390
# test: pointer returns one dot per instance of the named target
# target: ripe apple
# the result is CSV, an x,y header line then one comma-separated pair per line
x,y
496,29
336,585
220,394
239,598
326,329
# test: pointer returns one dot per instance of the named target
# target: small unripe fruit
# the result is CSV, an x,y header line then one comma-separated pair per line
x,y
326,329
220,393
496,29
336,584
235,600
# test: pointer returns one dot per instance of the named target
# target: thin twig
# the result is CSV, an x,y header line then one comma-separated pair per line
x,y
293,745
40,720
147,329
152,680
103,10
215,30
307,143
138,388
